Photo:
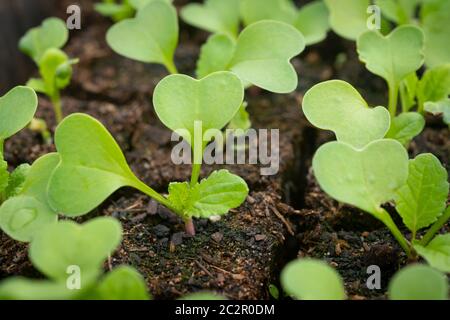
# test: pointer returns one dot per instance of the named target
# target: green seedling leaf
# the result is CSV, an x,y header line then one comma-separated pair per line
x,y
335,105
25,215
117,11
215,16
398,11
37,85
279,10
274,292
139,4
86,246
203,296
98,168
215,55
395,56
309,279
424,196
365,178
215,195
180,101
312,22
437,252
439,108
52,33
348,18
435,17
406,126
408,91
17,108
56,71
434,85
151,36
241,120
19,288
418,282
122,283
4,179
16,180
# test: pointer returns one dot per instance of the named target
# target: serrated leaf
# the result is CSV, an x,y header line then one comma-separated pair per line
x,y
279,10
365,178
215,16
423,198
395,56
434,85
25,215
309,279
335,105
86,246
348,18
151,36
16,180
312,22
52,33
405,127
215,195
439,108
418,282
122,283
17,108
437,252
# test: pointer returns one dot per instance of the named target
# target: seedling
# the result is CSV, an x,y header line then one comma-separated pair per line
x,y
71,257
88,174
116,10
43,45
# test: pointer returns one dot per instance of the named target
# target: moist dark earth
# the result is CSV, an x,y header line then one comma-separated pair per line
x,y
285,216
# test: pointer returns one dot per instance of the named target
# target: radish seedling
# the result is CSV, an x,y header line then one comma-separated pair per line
x,y
43,45
88,174
116,10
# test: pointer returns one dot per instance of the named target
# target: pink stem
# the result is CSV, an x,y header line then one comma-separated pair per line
x,y
190,228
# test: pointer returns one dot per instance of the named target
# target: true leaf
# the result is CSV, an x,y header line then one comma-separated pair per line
x,y
279,10
24,216
312,21
151,36
180,101
16,180
215,195
86,246
424,196
348,18
17,108
122,283
434,85
418,282
394,56
439,108
215,16
309,279
437,252
335,105
405,127
52,33
364,178
97,168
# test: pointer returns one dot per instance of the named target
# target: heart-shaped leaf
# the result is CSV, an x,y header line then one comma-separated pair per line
x,y
348,18
215,195
215,16
66,244
309,279
151,36
279,10
405,127
122,283
424,196
91,170
52,33
394,56
437,252
312,22
364,178
418,282
25,215
17,108
335,105
215,55
180,101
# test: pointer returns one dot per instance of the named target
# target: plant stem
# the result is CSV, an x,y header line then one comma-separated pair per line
x,y
153,194
195,173
170,65
190,228
385,217
404,99
435,227
56,102
393,99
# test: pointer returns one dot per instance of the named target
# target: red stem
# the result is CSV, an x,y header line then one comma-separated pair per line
x,y
190,228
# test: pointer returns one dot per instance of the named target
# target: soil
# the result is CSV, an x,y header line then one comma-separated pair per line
x,y
242,253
